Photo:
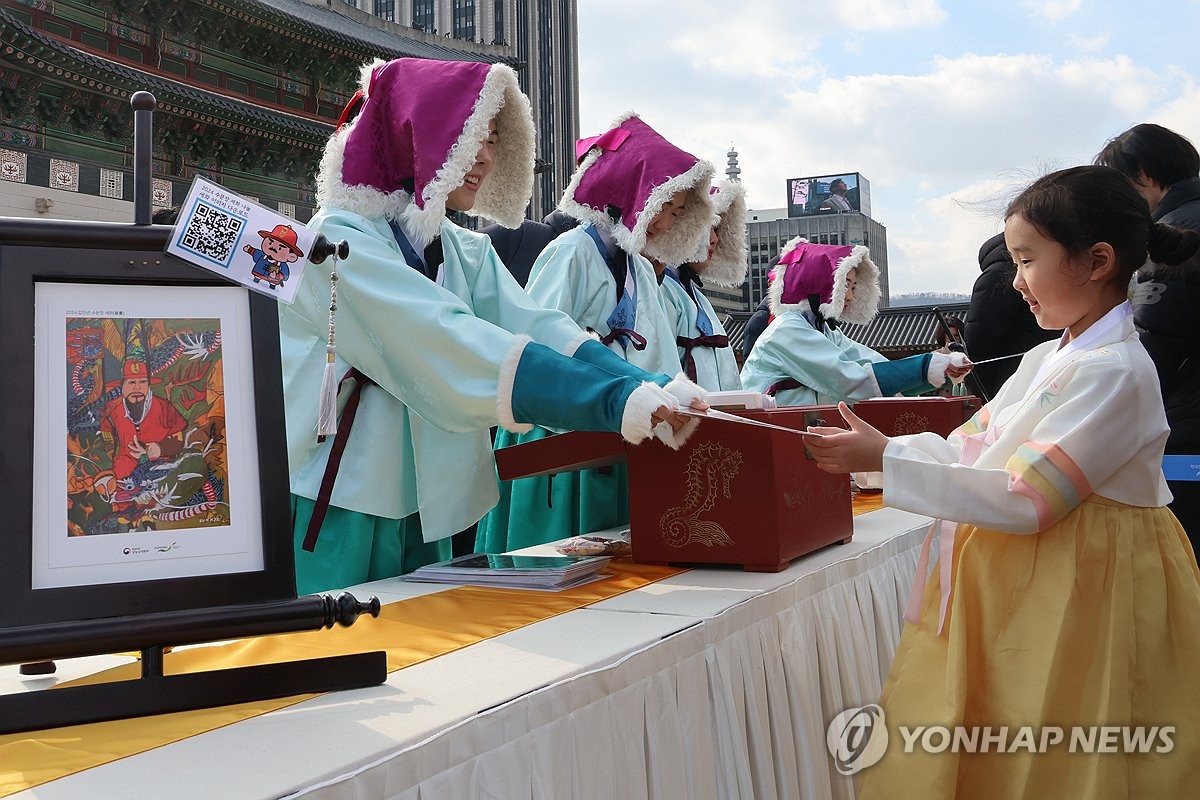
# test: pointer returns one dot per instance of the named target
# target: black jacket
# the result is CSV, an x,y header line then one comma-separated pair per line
x,y
999,322
1180,206
757,323
1165,304
519,248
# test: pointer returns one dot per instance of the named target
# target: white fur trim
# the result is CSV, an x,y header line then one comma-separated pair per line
x,y
729,263
775,290
365,201
936,373
866,289
365,72
503,194
576,342
630,114
636,422
504,387
674,247
667,435
692,226
569,206
939,363
958,360
684,390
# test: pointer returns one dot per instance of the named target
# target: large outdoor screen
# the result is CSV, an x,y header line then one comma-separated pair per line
x,y
829,194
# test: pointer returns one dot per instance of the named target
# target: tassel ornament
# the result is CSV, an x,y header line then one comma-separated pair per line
x,y
327,410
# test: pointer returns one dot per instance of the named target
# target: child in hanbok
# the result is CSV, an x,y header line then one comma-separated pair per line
x,y
633,192
1067,596
803,359
704,350
434,343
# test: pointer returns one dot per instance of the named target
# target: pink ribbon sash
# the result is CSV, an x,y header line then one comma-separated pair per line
x,y
916,597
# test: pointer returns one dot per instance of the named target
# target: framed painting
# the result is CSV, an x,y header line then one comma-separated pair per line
x,y
144,457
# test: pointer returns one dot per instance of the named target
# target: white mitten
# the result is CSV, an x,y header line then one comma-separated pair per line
x,y
684,391
938,364
636,422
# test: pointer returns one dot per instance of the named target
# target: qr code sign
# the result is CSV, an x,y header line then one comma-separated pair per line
x,y
212,232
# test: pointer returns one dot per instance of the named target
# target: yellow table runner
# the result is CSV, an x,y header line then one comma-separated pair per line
x,y
409,631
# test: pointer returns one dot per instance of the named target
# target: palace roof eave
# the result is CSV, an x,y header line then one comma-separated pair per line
x,y
328,26
121,81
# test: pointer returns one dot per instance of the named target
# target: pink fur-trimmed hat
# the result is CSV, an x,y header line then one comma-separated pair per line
x,y
729,262
806,269
416,137
632,169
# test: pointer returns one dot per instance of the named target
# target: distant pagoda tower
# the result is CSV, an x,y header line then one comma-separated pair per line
x,y
732,170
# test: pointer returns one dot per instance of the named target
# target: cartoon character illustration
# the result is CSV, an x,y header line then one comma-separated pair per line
x,y
143,428
146,449
278,250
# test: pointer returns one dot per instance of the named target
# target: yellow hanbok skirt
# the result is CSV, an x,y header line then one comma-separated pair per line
x,y
1093,622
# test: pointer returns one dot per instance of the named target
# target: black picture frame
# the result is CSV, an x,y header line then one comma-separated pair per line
x,y
37,251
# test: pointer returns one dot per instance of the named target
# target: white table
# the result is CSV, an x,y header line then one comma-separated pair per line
x,y
709,684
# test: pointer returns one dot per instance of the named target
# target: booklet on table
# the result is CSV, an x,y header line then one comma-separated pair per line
x,y
516,572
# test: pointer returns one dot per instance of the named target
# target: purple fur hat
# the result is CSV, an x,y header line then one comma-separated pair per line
x,y
728,265
638,173
805,269
421,126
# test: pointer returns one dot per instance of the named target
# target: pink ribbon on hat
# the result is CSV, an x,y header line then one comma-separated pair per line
x,y
609,140
793,255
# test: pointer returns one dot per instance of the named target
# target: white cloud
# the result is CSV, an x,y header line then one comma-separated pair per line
x,y
888,14
1182,112
950,228
1088,44
932,139
762,38
1052,10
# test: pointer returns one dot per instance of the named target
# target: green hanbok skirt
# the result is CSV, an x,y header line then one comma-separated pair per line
x,y
354,548
537,510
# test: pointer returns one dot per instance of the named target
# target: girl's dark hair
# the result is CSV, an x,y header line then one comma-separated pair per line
x,y
1081,206
1160,153
1170,245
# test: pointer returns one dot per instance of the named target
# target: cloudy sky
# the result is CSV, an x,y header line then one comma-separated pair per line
x,y
946,106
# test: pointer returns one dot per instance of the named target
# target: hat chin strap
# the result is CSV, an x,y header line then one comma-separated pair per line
x,y
814,302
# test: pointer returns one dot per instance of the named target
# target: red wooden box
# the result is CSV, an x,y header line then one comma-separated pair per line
x,y
899,416
734,494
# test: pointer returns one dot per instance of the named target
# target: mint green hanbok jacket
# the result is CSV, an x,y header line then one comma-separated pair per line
x,y
420,442
570,275
716,367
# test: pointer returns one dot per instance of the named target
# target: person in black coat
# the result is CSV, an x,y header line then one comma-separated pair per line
x,y
1165,169
999,322
757,323
518,248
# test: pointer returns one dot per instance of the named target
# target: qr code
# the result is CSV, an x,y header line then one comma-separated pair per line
x,y
212,232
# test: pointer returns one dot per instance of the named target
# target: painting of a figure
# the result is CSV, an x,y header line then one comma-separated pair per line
x,y
146,443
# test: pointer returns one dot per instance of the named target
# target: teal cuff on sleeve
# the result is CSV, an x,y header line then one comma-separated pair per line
x,y
600,356
554,391
903,376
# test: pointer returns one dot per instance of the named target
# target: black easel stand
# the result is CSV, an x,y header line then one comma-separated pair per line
x,y
34,646
156,693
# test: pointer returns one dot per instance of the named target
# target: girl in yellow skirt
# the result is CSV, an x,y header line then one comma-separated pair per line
x,y
1058,642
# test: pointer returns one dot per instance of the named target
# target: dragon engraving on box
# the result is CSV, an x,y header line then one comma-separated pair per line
x,y
710,469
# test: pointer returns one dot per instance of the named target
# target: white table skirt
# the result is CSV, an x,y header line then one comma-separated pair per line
x,y
710,684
